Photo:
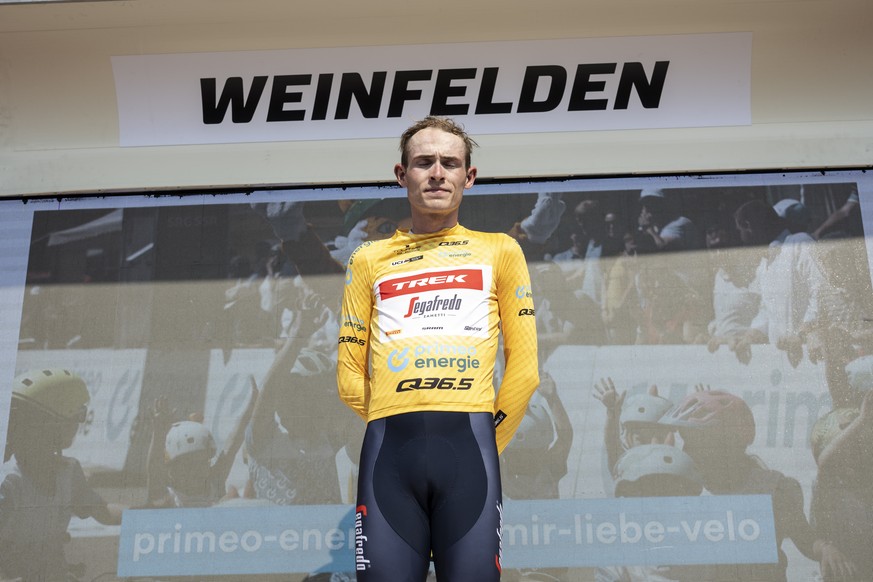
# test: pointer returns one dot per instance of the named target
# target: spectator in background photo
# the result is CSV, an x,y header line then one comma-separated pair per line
x,y
535,461
290,445
630,422
717,429
673,310
533,232
613,240
840,335
842,501
41,490
735,297
795,214
788,280
621,302
584,266
846,218
561,318
183,469
667,230
656,470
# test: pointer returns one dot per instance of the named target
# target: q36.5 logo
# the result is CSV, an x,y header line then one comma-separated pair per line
x,y
350,339
525,312
434,384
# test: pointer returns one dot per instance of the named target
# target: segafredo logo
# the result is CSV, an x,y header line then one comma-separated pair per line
x,y
436,306
361,561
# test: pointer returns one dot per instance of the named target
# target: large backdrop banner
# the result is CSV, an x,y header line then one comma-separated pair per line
x,y
704,413
694,80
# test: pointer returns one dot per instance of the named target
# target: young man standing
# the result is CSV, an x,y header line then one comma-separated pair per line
x,y
421,316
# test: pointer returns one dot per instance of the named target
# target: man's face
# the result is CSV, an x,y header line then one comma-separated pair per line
x,y
436,176
747,232
646,218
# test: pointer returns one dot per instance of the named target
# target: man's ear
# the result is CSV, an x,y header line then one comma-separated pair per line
x,y
400,174
471,177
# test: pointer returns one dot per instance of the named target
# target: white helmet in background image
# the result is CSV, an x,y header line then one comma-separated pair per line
x,y
187,437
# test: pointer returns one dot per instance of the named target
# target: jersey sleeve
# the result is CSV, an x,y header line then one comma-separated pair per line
x,y
352,369
521,375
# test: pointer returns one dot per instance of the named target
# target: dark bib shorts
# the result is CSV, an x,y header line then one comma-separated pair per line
x,y
429,482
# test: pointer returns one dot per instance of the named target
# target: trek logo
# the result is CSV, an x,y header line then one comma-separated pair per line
x,y
431,281
434,384
361,562
453,243
351,340
526,312
409,260
437,304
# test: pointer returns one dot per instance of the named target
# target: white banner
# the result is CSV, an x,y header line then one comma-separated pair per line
x,y
492,87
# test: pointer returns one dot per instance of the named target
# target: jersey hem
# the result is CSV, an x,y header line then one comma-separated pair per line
x,y
436,406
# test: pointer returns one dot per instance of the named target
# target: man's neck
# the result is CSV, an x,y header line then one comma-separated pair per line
x,y
430,225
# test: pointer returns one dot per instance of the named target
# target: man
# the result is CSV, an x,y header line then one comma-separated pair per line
x,y
788,280
416,362
668,231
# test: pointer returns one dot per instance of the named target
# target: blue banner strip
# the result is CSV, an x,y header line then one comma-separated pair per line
x,y
539,533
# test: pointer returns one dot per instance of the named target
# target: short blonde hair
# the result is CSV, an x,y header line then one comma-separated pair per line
x,y
445,124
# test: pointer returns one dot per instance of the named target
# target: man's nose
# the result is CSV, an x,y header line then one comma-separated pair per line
x,y
436,171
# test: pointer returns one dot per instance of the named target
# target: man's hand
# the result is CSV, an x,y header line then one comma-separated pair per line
x,y
866,415
816,347
835,566
605,392
286,218
162,416
741,346
792,345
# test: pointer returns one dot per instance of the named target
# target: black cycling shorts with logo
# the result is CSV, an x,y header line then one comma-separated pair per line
x,y
429,485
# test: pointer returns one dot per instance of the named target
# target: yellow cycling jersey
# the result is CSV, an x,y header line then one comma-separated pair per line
x,y
421,315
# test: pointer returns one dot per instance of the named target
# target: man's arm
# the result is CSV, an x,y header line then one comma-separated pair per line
x,y
156,473
839,215
308,317
612,400
353,346
521,377
223,464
